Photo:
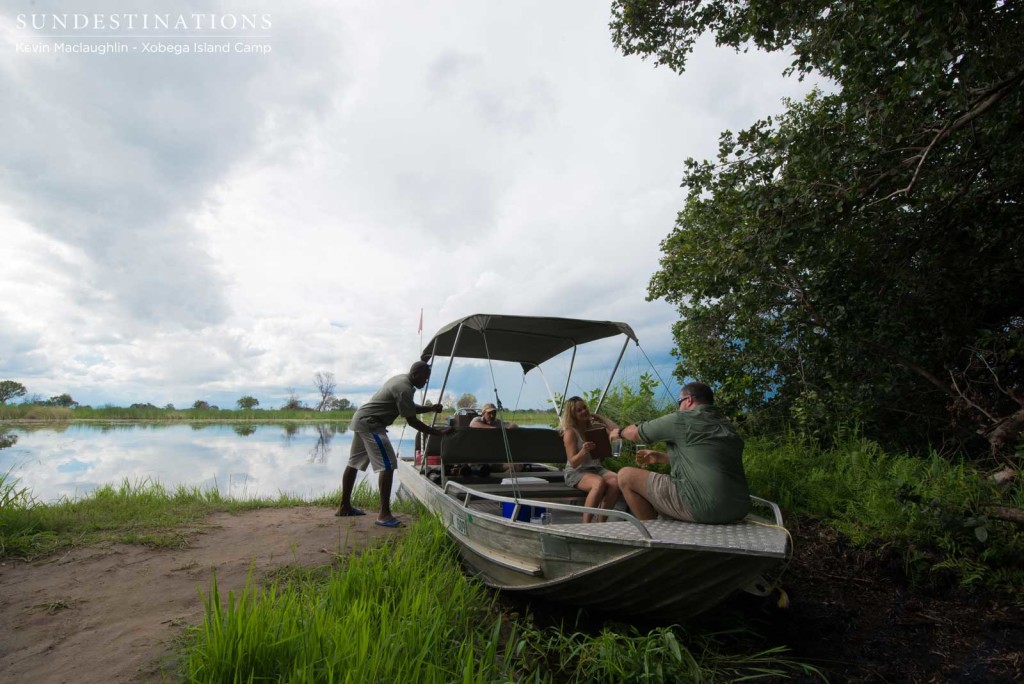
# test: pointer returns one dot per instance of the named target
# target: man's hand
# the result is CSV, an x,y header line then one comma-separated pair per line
x,y
437,408
646,457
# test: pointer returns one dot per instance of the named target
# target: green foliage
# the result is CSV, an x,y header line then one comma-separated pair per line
x,y
622,653
627,405
467,400
859,257
336,404
10,389
247,403
930,510
293,403
63,400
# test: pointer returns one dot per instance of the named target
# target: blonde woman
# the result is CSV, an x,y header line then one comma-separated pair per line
x,y
583,471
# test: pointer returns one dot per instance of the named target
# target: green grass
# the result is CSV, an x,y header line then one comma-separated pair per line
x,y
932,510
144,513
405,612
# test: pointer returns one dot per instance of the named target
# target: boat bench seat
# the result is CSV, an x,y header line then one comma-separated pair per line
x,y
473,445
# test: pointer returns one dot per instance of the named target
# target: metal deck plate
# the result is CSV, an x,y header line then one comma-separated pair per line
x,y
744,537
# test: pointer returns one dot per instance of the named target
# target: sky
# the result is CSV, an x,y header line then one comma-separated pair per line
x,y
177,226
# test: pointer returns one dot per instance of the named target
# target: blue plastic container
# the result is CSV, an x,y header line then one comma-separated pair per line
x,y
525,512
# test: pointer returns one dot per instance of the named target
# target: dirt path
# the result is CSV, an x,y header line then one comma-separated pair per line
x,y
112,613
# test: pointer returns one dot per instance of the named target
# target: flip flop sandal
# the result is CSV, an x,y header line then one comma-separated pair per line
x,y
390,522
351,512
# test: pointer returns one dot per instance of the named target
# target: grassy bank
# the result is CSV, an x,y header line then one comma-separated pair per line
x,y
401,611
936,513
138,513
406,612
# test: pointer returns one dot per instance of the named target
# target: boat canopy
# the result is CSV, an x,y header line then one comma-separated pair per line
x,y
527,340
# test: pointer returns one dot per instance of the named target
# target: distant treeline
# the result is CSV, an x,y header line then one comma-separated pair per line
x,y
149,412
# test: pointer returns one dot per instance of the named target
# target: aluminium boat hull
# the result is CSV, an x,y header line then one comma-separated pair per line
x,y
681,570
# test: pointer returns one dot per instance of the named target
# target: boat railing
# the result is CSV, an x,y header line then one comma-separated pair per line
x,y
776,512
471,493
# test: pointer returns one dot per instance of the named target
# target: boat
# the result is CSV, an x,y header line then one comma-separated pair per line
x,y
519,528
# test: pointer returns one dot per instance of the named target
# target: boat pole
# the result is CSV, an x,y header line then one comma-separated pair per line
x,y
444,383
451,359
612,376
501,422
565,393
423,394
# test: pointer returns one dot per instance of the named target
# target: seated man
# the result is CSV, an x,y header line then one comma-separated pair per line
x,y
489,419
707,483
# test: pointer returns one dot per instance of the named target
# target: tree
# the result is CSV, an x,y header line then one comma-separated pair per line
x,y
293,403
9,389
201,405
339,405
324,381
467,400
63,400
247,403
860,256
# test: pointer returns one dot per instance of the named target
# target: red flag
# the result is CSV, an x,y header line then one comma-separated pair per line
x,y
420,329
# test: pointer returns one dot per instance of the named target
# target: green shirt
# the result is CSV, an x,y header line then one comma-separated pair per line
x,y
706,456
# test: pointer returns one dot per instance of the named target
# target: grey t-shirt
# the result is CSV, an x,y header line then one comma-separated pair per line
x,y
390,401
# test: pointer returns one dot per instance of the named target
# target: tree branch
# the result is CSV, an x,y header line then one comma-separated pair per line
x,y
988,99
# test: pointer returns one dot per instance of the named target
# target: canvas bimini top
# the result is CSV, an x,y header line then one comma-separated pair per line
x,y
527,340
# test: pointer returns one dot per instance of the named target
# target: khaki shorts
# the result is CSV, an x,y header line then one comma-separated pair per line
x,y
664,496
573,476
372,448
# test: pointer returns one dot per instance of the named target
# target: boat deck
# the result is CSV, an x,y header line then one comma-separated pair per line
x,y
752,536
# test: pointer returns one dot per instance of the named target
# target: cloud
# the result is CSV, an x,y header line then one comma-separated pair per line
x,y
207,226
113,155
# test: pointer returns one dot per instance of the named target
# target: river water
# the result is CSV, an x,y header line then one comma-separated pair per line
x,y
239,460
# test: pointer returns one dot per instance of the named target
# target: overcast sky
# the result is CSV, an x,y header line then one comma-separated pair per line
x,y
193,226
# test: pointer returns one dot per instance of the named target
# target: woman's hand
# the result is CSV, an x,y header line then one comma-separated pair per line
x,y
588,447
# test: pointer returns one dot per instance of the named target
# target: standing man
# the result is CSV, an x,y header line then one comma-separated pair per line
x,y
707,483
370,443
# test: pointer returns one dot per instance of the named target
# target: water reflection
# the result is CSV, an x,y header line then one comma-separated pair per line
x,y
239,460
326,432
